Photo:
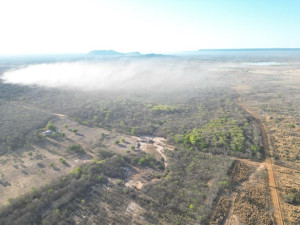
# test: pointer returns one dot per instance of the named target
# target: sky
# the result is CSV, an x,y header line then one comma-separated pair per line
x,y
147,26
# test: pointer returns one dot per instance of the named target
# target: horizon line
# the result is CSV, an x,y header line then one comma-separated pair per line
x,y
174,52
201,49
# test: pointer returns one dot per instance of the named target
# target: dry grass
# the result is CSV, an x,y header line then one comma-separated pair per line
x,y
33,168
273,93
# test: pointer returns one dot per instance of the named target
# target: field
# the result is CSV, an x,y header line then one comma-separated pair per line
x,y
276,100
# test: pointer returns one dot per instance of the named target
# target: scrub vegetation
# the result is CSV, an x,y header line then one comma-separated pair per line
x,y
152,151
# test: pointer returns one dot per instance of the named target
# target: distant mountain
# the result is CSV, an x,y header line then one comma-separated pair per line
x,y
154,55
104,52
132,54
114,53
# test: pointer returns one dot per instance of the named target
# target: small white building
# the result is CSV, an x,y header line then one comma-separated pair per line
x,y
48,132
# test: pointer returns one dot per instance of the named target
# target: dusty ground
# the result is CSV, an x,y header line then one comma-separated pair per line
x,y
289,182
152,145
273,92
246,200
155,146
269,164
21,172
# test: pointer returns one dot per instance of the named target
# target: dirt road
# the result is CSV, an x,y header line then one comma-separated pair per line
x,y
29,107
269,166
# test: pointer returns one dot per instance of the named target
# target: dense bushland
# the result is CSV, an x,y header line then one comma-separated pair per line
x,y
187,193
202,119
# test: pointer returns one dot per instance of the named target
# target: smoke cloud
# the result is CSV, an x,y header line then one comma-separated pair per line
x,y
112,74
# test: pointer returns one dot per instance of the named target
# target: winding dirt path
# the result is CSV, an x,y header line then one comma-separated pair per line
x,y
269,166
160,148
159,144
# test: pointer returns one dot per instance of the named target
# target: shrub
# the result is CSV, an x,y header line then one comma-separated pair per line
x,y
293,197
10,200
77,170
254,148
54,134
291,125
62,160
50,126
74,131
223,183
148,160
132,131
33,190
76,148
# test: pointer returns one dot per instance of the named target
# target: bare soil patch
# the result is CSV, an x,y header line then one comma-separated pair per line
x,y
32,168
246,200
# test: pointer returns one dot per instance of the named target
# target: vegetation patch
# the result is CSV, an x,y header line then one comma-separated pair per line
x,y
184,195
221,133
76,149
50,126
162,108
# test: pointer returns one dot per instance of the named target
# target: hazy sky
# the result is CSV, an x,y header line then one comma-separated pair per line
x,y
67,26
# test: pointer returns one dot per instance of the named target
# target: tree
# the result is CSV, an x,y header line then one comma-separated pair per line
x,y
51,126
75,131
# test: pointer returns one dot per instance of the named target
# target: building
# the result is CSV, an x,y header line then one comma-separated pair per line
x,y
48,132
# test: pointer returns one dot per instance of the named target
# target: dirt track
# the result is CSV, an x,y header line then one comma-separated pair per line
x,y
269,166
40,110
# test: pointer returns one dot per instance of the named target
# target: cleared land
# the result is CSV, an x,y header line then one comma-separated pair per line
x,y
51,158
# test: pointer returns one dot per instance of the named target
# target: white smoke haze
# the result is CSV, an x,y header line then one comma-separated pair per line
x,y
111,75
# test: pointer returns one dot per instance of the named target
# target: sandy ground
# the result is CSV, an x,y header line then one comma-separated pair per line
x,y
32,168
278,214
151,145
21,172
273,92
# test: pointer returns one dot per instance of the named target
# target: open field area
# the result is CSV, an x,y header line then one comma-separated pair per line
x,y
52,157
197,140
276,100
